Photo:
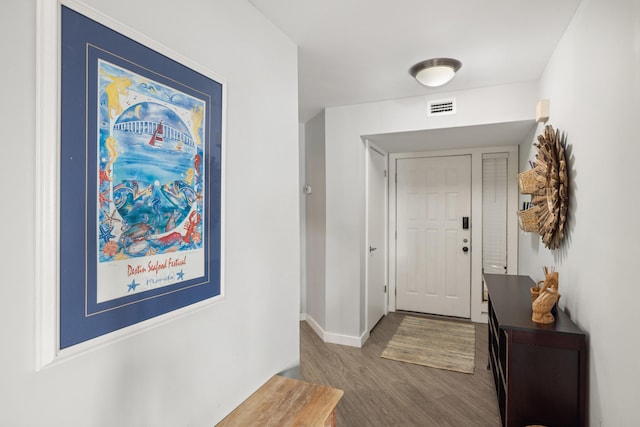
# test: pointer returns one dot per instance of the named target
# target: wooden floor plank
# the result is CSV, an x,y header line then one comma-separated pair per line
x,y
382,392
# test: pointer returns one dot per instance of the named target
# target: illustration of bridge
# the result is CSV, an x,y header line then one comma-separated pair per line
x,y
145,127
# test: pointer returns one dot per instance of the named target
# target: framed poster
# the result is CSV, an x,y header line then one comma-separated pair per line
x,y
140,183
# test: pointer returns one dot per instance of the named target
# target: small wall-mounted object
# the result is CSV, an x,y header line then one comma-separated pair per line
x,y
527,182
528,219
306,189
542,111
528,216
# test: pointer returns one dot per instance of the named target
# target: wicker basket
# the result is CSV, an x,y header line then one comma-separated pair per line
x,y
527,182
528,219
535,291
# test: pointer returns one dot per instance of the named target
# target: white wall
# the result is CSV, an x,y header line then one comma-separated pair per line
x,y
315,221
193,370
345,207
593,82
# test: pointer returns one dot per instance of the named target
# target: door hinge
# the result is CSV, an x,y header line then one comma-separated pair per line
x,y
385,289
385,173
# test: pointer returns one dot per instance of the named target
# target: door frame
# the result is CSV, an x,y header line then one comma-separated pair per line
x,y
385,247
479,309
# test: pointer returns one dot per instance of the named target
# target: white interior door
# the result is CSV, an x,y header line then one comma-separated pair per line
x,y
376,208
433,260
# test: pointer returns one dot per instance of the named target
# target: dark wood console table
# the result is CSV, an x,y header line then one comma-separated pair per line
x,y
540,371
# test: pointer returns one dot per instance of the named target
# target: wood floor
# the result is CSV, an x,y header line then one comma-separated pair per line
x,y
381,392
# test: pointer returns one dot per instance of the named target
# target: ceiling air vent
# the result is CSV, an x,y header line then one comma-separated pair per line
x,y
442,107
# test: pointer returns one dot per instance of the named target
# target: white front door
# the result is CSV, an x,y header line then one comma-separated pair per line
x,y
433,259
376,208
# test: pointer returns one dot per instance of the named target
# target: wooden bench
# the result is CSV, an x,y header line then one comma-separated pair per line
x,y
282,402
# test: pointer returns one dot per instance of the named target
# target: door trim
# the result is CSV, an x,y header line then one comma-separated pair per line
x,y
479,309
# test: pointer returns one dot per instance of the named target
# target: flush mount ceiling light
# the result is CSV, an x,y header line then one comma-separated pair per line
x,y
435,72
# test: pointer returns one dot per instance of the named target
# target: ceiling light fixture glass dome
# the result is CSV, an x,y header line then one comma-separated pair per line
x,y
436,71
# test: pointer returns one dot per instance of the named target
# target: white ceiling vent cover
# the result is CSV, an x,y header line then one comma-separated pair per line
x,y
441,107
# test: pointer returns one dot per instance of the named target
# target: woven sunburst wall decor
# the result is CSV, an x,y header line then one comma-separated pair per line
x,y
550,197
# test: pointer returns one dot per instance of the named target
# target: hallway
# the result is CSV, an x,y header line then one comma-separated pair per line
x,y
380,392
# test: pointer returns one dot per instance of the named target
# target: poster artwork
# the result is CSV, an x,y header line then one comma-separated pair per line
x,y
150,184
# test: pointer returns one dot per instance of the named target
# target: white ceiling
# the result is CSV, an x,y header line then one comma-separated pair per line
x,y
355,51
490,135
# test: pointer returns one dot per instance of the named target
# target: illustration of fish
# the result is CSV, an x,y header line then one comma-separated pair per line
x,y
179,193
137,247
138,231
127,192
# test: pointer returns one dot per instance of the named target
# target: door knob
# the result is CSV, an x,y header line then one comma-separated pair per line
x,y
465,249
371,249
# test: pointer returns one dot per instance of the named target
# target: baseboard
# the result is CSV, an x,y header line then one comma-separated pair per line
x,y
332,338
303,317
364,337
347,340
315,326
